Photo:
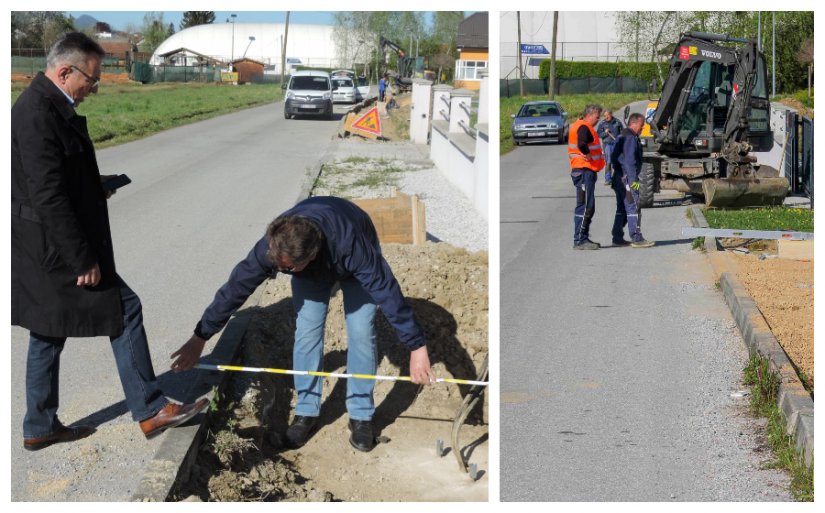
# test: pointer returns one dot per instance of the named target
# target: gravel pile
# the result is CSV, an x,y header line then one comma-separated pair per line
x,y
451,217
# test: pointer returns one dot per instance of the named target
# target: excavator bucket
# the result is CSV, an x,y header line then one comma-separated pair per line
x,y
728,192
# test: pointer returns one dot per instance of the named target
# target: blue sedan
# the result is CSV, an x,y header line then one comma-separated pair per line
x,y
541,121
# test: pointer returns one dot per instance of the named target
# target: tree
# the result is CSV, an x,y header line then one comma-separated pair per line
x,y
38,29
154,31
171,30
656,33
192,18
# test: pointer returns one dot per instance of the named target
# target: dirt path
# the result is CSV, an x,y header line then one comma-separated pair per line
x,y
784,292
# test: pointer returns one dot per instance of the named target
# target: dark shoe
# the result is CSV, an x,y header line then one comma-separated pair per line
x,y
622,242
361,438
297,434
586,245
591,242
170,416
61,434
642,244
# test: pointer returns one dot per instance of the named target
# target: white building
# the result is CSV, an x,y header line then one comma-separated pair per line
x,y
313,45
588,36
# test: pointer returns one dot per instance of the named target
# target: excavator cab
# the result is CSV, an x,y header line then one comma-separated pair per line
x,y
712,115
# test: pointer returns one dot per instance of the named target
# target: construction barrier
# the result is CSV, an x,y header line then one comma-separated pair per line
x,y
362,119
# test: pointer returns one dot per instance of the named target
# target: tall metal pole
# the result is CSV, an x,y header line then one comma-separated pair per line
x,y
232,58
759,31
773,55
520,74
552,79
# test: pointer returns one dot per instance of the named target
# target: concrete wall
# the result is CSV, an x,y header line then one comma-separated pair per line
x,y
459,155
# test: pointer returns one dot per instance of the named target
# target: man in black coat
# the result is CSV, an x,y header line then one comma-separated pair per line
x,y
63,277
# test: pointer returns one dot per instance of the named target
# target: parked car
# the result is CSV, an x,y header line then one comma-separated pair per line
x,y
343,90
308,93
362,86
540,121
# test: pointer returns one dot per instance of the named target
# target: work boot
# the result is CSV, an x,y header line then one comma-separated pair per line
x,y
591,242
641,243
621,242
586,245
297,434
362,438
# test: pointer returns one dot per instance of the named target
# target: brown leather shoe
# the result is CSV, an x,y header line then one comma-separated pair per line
x,y
61,434
171,415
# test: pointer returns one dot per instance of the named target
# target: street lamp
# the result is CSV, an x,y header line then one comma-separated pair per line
x,y
232,21
251,38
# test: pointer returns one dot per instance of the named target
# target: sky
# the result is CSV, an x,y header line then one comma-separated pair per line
x,y
118,20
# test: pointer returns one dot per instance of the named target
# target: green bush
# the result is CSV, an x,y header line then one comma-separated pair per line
x,y
646,71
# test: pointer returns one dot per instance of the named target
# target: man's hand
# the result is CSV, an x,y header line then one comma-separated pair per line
x,y
635,185
420,370
188,354
90,278
104,179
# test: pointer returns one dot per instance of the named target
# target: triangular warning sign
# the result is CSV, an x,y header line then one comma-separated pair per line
x,y
369,122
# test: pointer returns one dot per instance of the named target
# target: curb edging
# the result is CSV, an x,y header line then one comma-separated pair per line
x,y
792,398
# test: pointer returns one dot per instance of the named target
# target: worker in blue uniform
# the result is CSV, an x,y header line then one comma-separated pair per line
x,y
627,163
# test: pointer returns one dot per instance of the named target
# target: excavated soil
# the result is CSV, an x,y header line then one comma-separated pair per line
x,y
784,292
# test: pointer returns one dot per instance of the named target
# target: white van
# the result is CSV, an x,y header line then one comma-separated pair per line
x,y
308,93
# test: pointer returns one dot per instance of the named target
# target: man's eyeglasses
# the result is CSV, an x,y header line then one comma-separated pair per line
x,y
94,82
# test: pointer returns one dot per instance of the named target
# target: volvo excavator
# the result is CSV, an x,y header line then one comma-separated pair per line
x,y
713,113
403,77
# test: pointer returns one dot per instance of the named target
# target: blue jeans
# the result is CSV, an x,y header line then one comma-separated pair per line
x,y
584,180
311,301
134,365
608,167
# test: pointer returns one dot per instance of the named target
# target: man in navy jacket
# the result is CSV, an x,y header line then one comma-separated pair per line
x,y
322,241
627,162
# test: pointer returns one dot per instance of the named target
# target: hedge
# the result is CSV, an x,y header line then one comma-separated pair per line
x,y
645,71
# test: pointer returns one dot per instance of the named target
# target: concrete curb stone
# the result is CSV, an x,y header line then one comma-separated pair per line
x,y
793,400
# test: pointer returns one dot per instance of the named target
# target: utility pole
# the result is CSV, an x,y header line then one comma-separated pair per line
x,y
759,31
283,48
551,81
773,55
232,58
520,74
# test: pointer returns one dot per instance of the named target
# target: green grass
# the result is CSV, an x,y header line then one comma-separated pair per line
x,y
764,388
698,243
574,104
127,112
770,218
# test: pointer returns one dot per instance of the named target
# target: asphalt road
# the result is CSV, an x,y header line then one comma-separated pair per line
x,y
617,365
201,195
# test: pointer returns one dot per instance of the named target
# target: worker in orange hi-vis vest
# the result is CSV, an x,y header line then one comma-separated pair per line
x,y
586,159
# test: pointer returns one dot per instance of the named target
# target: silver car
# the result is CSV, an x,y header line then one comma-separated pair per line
x,y
540,121
343,90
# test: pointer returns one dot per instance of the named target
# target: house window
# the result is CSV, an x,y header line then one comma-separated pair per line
x,y
468,70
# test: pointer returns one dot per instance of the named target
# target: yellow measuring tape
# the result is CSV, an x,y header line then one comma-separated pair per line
x,y
236,368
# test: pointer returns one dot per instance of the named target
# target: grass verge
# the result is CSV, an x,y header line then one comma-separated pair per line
x,y
573,103
764,388
770,218
126,112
